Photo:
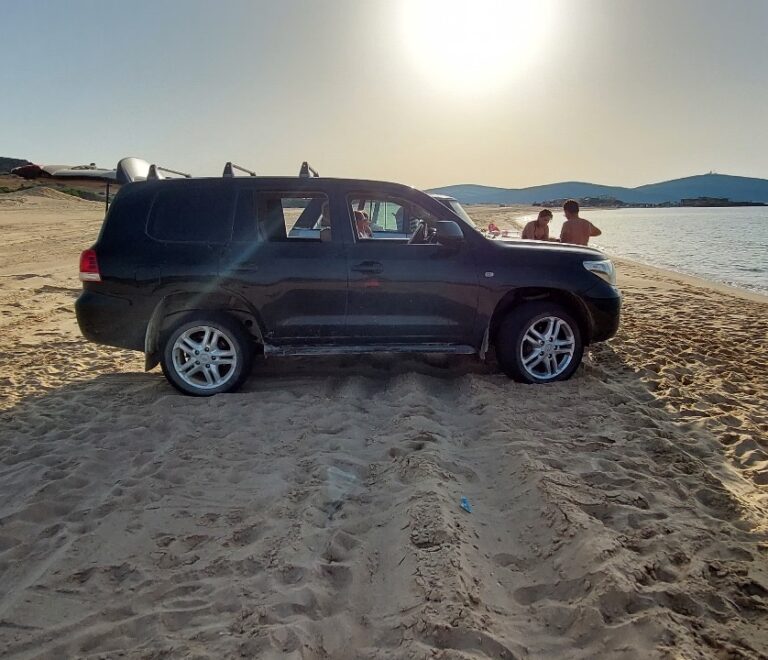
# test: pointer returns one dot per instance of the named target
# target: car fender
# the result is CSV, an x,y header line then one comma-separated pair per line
x,y
189,301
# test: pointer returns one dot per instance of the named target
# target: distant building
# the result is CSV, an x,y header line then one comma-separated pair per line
x,y
589,202
706,201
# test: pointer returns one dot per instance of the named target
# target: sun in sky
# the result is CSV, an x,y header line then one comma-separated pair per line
x,y
475,44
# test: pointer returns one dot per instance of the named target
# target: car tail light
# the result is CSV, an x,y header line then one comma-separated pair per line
x,y
89,266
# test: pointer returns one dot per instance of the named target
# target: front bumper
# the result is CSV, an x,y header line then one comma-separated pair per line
x,y
604,304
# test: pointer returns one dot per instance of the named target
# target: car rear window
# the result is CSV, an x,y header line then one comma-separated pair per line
x,y
191,215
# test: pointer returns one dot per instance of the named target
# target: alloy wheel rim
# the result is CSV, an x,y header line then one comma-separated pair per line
x,y
547,348
204,357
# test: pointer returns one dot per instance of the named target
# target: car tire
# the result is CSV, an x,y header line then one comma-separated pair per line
x,y
539,342
224,357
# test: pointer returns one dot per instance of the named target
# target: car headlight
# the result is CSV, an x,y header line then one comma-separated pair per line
x,y
603,269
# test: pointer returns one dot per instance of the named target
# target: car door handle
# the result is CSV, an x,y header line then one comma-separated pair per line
x,y
368,267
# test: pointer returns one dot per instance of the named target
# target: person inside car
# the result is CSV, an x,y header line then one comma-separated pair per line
x,y
363,225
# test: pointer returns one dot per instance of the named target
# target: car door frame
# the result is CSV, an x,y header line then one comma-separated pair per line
x,y
362,330
267,289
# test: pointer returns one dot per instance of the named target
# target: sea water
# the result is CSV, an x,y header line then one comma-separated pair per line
x,y
728,245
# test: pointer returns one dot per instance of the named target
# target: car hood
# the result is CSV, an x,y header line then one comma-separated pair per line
x,y
549,247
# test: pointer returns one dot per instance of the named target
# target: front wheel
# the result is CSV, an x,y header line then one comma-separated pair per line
x,y
539,342
207,354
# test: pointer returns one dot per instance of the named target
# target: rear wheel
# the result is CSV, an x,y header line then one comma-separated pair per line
x,y
539,342
207,354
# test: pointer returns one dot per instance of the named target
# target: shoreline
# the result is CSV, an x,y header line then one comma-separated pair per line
x,y
694,280
519,215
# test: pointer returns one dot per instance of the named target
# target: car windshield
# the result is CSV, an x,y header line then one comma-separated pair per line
x,y
458,209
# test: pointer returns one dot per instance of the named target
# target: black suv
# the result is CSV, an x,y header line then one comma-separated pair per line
x,y
202,273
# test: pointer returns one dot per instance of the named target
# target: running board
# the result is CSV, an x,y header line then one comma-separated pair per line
x,y
455,349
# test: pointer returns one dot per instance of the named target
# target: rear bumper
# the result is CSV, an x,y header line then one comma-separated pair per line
x,y
110,320
604,304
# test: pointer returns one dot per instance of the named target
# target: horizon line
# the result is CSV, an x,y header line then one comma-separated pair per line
x,y
605,185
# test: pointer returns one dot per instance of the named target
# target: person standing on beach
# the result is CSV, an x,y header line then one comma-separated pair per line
x,y
576,230
538,230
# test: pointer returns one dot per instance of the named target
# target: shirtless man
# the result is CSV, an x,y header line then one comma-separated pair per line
x,y
538,230
575,229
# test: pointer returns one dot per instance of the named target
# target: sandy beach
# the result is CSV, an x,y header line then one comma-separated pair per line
x,y
315,514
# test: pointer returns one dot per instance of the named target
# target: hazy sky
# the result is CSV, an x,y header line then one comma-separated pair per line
x,y
428,93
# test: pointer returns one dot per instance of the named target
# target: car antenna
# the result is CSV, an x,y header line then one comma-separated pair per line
x,y
306,168
230,167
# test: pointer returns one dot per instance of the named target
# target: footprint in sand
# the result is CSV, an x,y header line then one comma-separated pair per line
x,y
721,504
511,562
338,575
565,590
340,546
414,443
291,575
248,534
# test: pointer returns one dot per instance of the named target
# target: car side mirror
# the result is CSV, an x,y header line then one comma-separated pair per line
x,y
449,233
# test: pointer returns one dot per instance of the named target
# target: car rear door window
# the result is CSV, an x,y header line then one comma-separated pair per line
x,y
191,215
286,217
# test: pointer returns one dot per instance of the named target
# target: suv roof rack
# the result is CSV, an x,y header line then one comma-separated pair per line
x,y
155,172
135,169
230,167
306,168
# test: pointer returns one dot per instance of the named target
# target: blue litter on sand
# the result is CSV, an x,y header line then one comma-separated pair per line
x,y
466,505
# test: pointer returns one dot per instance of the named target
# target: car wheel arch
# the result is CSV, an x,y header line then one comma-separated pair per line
x,y
517,297
171,306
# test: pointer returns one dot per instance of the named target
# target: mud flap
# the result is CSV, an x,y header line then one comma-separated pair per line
x,y
151,349
486,342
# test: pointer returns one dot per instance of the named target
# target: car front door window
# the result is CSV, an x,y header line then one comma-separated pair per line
x,y
403,286
384,218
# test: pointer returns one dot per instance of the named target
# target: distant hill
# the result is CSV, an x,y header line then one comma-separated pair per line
x,y
7,164
736,188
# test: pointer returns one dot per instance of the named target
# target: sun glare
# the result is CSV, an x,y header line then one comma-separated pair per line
x,y
477,44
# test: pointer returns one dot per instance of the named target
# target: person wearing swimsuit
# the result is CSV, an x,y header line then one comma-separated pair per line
x,y
538,230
